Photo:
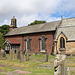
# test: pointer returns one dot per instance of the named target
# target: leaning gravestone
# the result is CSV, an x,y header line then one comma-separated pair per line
x,y
21,56
2,54
12,55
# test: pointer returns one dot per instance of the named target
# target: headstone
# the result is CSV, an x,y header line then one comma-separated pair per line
x,y
46,57
63,65
60,65
35,53
21,56
18,54
2,54
56,65
27,55
12,55
68,71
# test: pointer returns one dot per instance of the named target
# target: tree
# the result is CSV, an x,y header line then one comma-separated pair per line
x,y
36,22
1,40
4,29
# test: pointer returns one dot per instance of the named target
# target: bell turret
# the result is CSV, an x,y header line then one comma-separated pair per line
x,y
13,23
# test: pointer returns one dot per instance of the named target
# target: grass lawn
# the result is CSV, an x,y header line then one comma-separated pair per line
x,y
36,65
2,74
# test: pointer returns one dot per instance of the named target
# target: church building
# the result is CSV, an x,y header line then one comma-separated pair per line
x,y
53,37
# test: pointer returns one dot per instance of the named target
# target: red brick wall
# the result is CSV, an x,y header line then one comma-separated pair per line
x,y
35,42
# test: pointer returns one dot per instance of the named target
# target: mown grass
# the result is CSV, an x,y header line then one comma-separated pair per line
x,y
73,72
33,63
2,74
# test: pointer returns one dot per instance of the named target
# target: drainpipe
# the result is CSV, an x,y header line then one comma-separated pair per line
x,y
22,42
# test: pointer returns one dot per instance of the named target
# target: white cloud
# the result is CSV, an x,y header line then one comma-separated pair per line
x,y
26,11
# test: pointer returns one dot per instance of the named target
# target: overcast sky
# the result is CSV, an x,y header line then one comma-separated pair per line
x,y
26,11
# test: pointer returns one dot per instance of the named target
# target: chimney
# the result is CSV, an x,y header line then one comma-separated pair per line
x,y
13,23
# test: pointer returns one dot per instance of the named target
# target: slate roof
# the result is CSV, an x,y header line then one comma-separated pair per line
x,y
34,28
67,27
68,31
68,22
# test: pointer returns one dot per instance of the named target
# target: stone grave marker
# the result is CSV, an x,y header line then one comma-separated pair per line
x,y
18,54
35,53
68,71
2,54
12,55
21,56
27,55
60,65
63,65
47,57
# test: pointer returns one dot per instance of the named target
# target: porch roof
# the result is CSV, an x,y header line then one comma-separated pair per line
x,y
13,41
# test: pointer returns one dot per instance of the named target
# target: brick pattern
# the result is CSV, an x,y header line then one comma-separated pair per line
x,y
35,42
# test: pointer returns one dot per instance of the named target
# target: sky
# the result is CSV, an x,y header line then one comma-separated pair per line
x,y
26,11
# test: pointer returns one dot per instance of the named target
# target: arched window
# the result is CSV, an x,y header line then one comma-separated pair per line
x,y
28,43
62,42
43,43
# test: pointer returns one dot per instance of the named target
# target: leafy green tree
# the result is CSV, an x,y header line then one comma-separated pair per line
x,y
4,29
36,22
1,40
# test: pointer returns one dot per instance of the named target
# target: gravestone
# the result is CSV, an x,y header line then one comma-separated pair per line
x,y
46,57
60,65
2,54
35,53
18,54
12,54
63,65
21,56
68,71
27,55
56,65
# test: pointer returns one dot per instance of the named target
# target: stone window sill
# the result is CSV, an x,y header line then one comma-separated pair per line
x,y
62,49
43,51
